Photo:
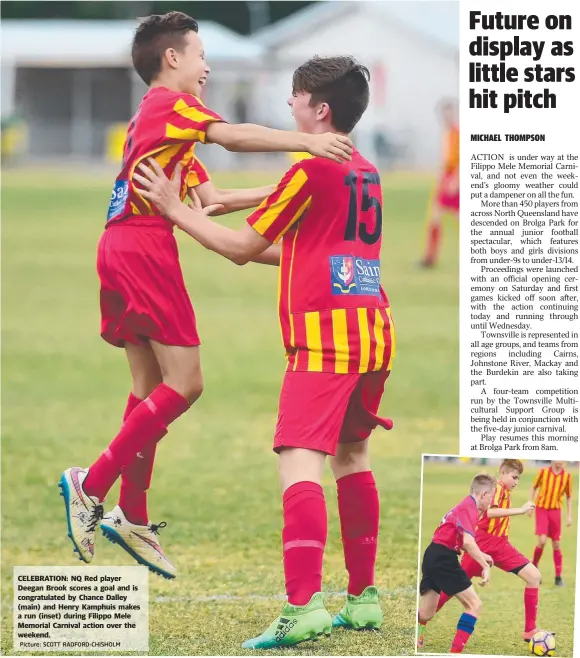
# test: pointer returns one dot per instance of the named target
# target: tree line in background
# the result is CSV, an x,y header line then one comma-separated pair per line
x,y
243,17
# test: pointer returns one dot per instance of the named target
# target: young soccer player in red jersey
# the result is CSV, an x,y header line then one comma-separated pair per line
x,y
550,485
492,537
442,572
446,196
339,339
145,306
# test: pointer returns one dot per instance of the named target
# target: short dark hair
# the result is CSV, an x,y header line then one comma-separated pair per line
x,y
341,82
154,36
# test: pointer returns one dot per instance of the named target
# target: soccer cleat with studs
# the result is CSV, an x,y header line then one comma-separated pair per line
x,y
528,635
420,637
83,512
296,624
360,612
140,541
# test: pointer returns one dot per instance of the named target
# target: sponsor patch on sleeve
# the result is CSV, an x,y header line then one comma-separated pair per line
x,y
119,197
350,275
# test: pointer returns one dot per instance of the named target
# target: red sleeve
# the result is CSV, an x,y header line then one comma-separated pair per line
x,y
189,119
467,520
197,174
537,479
284,207
569,486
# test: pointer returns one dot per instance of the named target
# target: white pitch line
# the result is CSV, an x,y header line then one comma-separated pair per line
x,y
387,593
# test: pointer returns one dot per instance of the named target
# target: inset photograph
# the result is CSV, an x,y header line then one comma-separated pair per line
x,y
497,556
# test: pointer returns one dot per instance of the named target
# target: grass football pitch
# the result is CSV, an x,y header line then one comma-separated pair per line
x,y
498,631
215,480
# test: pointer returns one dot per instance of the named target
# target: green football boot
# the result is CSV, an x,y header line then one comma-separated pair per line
x,y
297,623
421,628
360,612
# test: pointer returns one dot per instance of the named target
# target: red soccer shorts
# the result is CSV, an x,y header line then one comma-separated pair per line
x,y
448,199
505,556
318,410
549,523
143,295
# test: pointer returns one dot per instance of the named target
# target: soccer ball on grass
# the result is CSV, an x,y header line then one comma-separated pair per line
x,y
543,644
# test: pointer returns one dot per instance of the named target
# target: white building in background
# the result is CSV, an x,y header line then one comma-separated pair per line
x,y
70,81
412,50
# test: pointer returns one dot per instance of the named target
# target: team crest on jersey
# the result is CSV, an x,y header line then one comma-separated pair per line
x,y
342,273
119,197
350,275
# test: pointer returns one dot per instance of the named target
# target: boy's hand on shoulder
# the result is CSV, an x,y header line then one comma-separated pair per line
x,y
328,145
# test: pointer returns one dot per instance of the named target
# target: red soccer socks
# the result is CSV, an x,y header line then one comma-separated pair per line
x,y
465,627
304,538
358,508
136,478
531,596
145,426
558,562
135,481
433,242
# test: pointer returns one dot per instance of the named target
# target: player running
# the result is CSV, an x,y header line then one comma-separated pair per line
x,y
339,339
446,195
441,570
492,537
145,307
550,485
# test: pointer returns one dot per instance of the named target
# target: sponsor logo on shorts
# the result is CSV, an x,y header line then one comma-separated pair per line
x,y
350,275
119,197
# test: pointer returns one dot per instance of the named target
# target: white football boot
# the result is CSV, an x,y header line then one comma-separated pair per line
x,y
83,512
140,541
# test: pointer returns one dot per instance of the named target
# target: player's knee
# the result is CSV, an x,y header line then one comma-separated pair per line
x,y
556,545
474,607
542,541
425,616
190,387
349,463
350,458
533,576
194,390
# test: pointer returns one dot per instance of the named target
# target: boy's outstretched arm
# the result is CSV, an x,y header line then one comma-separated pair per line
x,y
272,257
499,512
485,562
251,138
238,246
231,200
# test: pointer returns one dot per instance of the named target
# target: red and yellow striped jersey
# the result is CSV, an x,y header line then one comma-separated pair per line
x,y
552,487
166,126
451,150
334,314
497,527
